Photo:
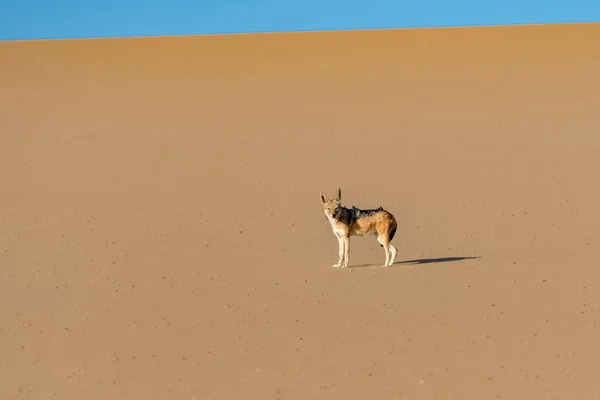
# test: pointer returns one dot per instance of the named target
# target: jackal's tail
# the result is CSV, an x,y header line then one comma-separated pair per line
x,y
393,232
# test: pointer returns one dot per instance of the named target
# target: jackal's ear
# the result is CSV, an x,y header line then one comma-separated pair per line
x,y
323,199
339,195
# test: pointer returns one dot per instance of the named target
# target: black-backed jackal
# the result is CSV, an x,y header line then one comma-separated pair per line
x,y
347,222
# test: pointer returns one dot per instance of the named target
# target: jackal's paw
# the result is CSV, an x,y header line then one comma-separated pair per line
x,y
335,266
386,265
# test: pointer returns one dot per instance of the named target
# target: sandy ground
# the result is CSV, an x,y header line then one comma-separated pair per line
x,y
161,235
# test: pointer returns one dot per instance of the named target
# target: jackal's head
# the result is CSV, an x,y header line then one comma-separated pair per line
x,y
331,206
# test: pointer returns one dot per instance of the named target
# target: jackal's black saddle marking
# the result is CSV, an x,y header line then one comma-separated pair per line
x,y
364,213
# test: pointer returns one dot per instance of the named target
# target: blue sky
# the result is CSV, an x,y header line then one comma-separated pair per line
x,y
52,19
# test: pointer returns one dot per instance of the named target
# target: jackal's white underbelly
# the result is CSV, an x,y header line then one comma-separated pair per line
x,y
366,232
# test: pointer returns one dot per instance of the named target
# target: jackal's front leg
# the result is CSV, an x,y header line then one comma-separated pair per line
x,y
346,242
340,253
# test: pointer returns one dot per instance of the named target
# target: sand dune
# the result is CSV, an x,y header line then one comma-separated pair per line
x,y
161,235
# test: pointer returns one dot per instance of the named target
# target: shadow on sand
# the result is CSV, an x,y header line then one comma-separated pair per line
x,y
422,261
435,260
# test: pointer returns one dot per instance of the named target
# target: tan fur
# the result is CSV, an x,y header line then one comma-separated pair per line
x,y
347,222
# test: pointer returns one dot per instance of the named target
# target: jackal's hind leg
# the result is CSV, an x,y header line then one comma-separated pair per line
x,y
386,247
394,253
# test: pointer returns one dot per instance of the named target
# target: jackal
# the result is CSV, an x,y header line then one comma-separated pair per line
x,y
347,222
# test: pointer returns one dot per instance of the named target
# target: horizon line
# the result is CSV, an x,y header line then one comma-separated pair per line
x,y
288,32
